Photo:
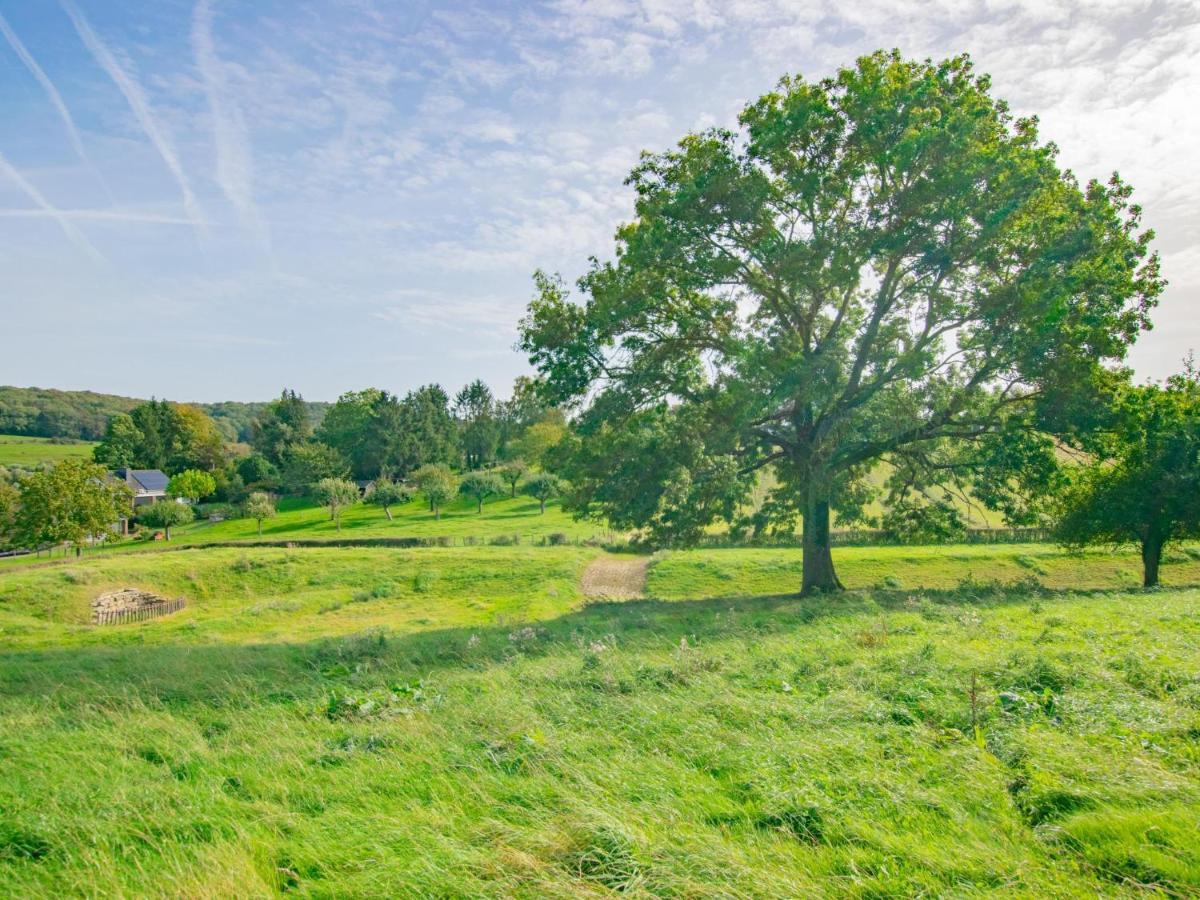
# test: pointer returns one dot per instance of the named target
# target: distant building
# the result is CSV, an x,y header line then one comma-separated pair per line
x,y
148,485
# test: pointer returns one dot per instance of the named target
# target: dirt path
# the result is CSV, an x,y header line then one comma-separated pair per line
x,y
616,577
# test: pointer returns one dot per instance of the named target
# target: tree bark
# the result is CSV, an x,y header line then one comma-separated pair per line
x,y
387,512
819,575
260,527
1151,556
543,502
481,506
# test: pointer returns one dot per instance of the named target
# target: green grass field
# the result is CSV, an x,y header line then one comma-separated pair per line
x,y
301,519
462,722
17,450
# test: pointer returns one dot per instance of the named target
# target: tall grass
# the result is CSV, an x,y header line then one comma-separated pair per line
x,y
463,724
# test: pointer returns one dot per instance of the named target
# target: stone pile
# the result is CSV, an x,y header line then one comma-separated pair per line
x,y
125,600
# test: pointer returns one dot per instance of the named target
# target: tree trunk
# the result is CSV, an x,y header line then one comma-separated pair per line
x,y
437,513
1151,556
481,506
514,490
167,532
543,502
819,575
260,527
387,512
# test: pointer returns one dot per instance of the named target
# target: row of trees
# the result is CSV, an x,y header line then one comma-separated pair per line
x,y
365,435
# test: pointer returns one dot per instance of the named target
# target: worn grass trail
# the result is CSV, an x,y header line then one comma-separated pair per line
x,y
616,577
462,722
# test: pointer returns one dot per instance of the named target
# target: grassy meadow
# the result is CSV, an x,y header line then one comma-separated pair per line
x,y
463,722
300,519
18,450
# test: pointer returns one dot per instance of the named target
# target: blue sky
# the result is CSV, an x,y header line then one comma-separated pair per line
x,y
212,200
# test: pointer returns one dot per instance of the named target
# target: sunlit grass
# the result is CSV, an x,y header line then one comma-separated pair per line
x,y
459,722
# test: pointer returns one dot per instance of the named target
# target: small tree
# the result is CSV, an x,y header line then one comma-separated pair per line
x,y
512,472
1144,485
481,485
70,502
259,506
335,494
165,515
437,483
543,486
191,485
387,493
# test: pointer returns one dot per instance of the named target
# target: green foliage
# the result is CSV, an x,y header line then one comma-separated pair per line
x,y
70,502
166,515
929,522
475,407
259,506
9,504
437,483
386,493
511,473
879,263
1143,483
192,484
121,446
481,485
284,423
162,435
543,486
257,471
335,494
538,440
42,412
306,464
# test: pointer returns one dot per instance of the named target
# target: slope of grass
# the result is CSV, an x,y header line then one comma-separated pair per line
x,y
479,732
301,519
17,450
740,572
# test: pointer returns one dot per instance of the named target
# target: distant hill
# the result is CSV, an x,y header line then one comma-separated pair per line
x,y
44,412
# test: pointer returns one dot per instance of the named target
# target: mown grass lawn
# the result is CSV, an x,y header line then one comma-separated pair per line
x,y
459,722
20,450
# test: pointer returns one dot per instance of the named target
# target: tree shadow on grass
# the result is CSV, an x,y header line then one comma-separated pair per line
x,y
228,673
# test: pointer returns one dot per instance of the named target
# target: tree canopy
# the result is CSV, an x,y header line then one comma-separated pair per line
x,y
1141,483
335,494
192,484
162,435
481,485
72,502
165,515
437,483
875,264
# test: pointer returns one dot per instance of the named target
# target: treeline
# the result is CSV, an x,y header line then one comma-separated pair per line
x,y
365,436
44,412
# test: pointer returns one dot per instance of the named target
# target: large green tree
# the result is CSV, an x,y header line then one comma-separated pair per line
x,y
162,435
475,407
871,265
72,502
283,423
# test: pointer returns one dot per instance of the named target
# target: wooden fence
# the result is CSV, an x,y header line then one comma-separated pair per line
x,y
140,614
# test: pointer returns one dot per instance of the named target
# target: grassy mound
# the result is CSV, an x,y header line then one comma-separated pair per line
x,y
483,732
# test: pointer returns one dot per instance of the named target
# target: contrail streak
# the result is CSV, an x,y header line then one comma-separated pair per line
x,y
234,166
76,236
137,102
55,98
95,215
